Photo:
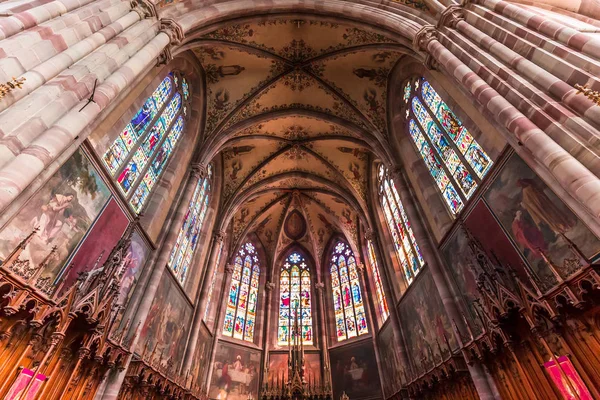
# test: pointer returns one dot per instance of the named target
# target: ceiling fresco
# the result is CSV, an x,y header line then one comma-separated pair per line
x,y
299,106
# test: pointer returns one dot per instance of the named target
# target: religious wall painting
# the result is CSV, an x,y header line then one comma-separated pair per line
x,y
354,371
235,373
165,330
538,222
63,211
426,326
201,360
97,245
393,373
134,261
278,369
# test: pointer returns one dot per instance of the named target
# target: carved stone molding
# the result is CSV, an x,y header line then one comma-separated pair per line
x,y
173,30
451,16
369,234
269,286
198,170
229,269
220,236
320,286
144,8
423,37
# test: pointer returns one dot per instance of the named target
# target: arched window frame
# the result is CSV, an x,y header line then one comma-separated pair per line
x,y
384,311
187,240
407,249
347,294
286,313
454,158
147,142
241,311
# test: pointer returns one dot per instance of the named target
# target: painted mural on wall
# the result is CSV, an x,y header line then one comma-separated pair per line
x,y
201,360
427,328
465,269
135,258
97,245
393,374
278,368
63,210
165,331
235,373
537,221
354,371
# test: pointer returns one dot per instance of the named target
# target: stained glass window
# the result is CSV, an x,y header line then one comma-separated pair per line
x,y
350,317
137,157
212,282
240,315
295,301
407,250
384,312
187,239
455,160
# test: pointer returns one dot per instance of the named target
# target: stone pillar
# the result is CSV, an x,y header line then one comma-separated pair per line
x,y
269,286
197,172
568,171
391,302
320,289
219,320
432,257
217,242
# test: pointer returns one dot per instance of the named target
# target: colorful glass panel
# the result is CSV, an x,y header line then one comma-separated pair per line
x,y
187,239
407,249
467,145
138,155
295,301
350,317
407,92
240,314
384,312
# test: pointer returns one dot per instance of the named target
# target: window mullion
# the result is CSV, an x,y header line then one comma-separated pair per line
x,y
449,139
459,191
135,184
144,136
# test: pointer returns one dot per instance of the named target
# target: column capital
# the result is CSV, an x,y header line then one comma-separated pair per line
x,y
320,286
423,37
173,30
228,269
361,268
144,8
370,234
451,16
269,286
220,236
198,170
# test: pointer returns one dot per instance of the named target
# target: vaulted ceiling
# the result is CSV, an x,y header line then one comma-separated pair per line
x,y
298,109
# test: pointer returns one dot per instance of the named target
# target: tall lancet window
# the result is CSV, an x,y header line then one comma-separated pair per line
x,y
240,316
455,160
350,317
384,312
187,239
137,157
405,244
295,300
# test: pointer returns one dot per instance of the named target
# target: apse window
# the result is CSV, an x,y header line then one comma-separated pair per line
x,y
138,156
455,160
407,250
295,311
240,315
350,317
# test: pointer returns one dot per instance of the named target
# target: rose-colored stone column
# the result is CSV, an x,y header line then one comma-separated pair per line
x,y
197,172
391,302
326,367
566,169
433,259
269,286
24,168
219,320
201,303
